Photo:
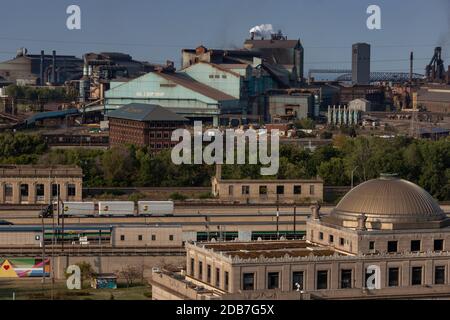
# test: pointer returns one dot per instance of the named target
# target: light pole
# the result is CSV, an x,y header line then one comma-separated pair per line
x,y
353,171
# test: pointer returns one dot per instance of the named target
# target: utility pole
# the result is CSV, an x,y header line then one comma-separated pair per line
x,y
278,218
295,221
43,247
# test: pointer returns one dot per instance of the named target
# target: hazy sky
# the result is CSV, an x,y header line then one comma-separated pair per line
x,y
156,30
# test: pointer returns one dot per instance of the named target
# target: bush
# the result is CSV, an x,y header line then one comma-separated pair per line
x,y
178,196
205,195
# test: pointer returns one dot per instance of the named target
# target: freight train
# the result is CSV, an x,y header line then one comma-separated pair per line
x,y
117,208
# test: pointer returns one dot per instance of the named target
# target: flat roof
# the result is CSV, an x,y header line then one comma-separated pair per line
x,y
270,249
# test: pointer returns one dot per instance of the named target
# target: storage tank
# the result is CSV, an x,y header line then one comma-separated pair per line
x,y
78,208
155,208
116,208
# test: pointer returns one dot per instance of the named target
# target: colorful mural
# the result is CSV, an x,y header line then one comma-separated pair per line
x,y
23,268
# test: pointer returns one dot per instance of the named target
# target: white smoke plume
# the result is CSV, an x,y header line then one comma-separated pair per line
x,y
263,31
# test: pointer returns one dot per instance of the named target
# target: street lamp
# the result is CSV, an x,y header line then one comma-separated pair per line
x,y
353,171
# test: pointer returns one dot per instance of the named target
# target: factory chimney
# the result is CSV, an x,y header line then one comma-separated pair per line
x,y
41,74
54,67
411,61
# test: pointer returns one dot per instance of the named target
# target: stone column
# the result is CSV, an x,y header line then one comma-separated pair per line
x,y
16,192
47,190
2,192
63,191
32,193
79,191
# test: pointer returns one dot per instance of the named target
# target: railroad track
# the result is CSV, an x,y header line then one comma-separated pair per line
x,y
91,251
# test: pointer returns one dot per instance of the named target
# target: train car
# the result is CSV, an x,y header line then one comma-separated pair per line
x,y
86,209
155,208
116,208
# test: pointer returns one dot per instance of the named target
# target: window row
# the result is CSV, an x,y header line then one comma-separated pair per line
x,y
346,280
280,190
226,275
140,237
24,190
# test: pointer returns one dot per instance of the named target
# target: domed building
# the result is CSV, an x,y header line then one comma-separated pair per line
x,y
386,239
382,215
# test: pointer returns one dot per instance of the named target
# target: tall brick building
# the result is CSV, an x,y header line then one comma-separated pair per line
x,y
143,125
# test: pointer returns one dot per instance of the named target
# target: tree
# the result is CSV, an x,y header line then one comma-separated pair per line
x,y
131,274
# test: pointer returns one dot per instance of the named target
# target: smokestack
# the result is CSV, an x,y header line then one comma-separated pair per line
x,y
54,67
411,59
42,69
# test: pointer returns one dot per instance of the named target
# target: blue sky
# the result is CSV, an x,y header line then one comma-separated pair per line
x,y
156,30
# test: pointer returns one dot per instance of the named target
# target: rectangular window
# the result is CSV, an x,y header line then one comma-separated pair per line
x,y
416,276
248,281
262,190
439,275
331,238
24,190
297,189
322,280
297,280
320,235
346,279
280,189
245,189
371,245
227,279
415,245
311,189
153,237
200,270
171,237
438,245
393,274
55,190
273,280
217,277
192,266
392,246
208,273
40,191
71,190
122,237
8,190
140,237
230,190
341,241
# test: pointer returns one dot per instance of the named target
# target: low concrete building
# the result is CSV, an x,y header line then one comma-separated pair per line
x,y
386,239
363,105
147,235
267,191
285,107
33,184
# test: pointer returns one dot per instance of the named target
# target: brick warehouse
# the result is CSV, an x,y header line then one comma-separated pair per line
x,y
143,125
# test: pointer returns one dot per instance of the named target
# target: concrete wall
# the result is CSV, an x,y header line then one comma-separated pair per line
x,y
161,235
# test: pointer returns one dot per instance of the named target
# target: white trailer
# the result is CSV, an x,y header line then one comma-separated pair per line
x,y
78,208
116,208
155,208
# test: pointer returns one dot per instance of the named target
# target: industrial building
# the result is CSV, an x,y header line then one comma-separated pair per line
x,y
433,98
386,239
143,125
176,91
361,64
40,69
33,184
